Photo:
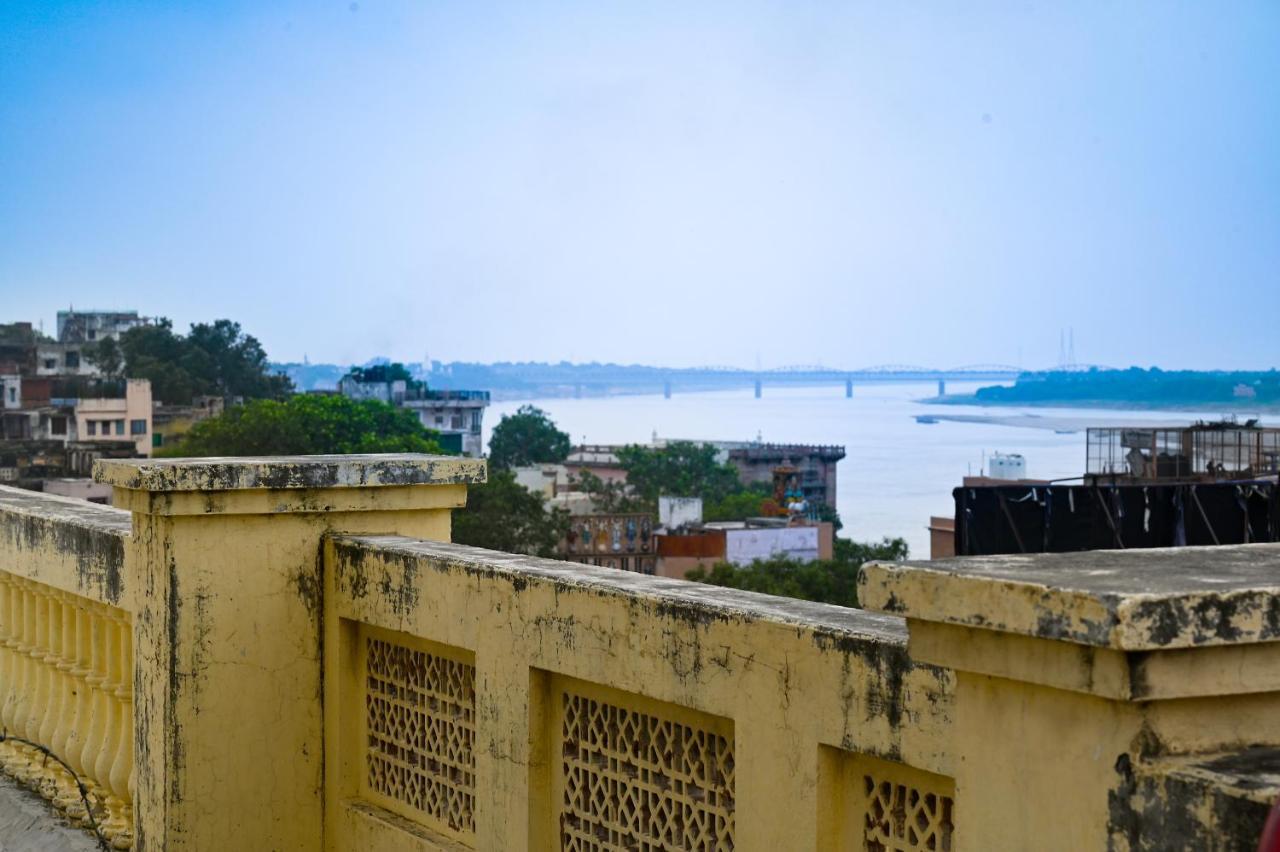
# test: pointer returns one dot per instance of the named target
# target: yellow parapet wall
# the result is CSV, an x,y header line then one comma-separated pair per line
x,y
603,709
225,554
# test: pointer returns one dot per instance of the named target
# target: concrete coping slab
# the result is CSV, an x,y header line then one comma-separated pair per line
x,y
1131,600
693,601
289,472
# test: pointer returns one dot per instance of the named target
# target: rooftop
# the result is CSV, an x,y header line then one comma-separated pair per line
x,y
1130,600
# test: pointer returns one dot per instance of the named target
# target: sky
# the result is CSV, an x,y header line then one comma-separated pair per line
x,y
845,184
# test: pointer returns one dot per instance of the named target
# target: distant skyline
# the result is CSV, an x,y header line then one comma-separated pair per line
x,y
669,184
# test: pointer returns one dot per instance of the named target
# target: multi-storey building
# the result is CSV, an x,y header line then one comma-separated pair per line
x,y
813,467
457,415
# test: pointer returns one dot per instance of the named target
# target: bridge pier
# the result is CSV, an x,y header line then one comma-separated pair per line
x,y
759,386
577,391
942,387
848,388
666,389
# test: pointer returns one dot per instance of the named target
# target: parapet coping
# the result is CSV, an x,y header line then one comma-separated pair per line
x,y
1130,600
678,597
65,510
286,472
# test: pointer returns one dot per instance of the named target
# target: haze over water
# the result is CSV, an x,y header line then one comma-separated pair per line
x,y
896,473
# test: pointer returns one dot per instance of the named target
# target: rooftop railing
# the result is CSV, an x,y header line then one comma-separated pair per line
x,y
317,668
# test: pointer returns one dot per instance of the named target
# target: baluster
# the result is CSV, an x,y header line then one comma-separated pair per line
x,y
96,734
119,826
8,679
111,728
79,732
50,772
16,709
68,794
38,700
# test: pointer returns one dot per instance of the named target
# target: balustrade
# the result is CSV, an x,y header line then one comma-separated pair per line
x,y
66,665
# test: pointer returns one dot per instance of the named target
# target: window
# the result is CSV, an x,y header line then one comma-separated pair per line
x,y
439,419
57,425
13,394
92,426
475,422
73,359
137,427
92,334
455,422
119,427
51,363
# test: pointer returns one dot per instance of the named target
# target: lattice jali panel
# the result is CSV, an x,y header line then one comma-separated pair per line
x,y
637,774
904,818
886,806
420,731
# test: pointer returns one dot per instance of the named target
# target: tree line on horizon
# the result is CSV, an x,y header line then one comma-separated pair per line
x,y
1138,385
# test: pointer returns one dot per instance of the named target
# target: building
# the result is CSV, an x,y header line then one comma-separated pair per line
x,y
624,541
458,415
78,331
742,542
171,422
942,537
600,460
91,326
1201,452
807,468
813,467
68,411
30,464
127,418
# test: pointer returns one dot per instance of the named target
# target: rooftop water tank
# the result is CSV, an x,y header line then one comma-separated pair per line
x,y
1007,466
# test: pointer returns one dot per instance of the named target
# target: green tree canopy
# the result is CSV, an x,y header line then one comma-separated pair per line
x,y
214,359
680,469
307,425
826,580
502,514
380,373
107,356
527,437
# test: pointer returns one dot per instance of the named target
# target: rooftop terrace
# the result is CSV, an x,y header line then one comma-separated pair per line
x,y
289,654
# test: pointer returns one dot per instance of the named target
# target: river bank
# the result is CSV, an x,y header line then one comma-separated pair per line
x,y
1242,409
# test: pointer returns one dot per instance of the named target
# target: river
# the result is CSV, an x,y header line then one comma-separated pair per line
x,y
897,472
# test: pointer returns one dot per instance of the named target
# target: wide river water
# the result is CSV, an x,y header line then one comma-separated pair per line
x,y
897,472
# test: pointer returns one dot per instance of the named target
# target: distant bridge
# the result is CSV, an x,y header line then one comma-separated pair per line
x,y
597,379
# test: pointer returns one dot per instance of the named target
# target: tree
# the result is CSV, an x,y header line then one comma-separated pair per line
x,y
107,356
828,581
682,469
502,514
746,503
213,359
527,437
608,497
307,425
379,373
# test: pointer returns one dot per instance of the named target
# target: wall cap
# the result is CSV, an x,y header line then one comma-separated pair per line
x,y
1134,600
289,472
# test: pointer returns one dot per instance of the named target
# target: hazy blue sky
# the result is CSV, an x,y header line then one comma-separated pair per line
x,y
682,183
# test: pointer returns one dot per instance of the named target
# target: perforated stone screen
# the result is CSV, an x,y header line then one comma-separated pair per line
x,y
637,774
887,806
420,727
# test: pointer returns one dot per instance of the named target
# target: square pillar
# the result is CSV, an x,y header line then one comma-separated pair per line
x,y
226,558
1079,675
